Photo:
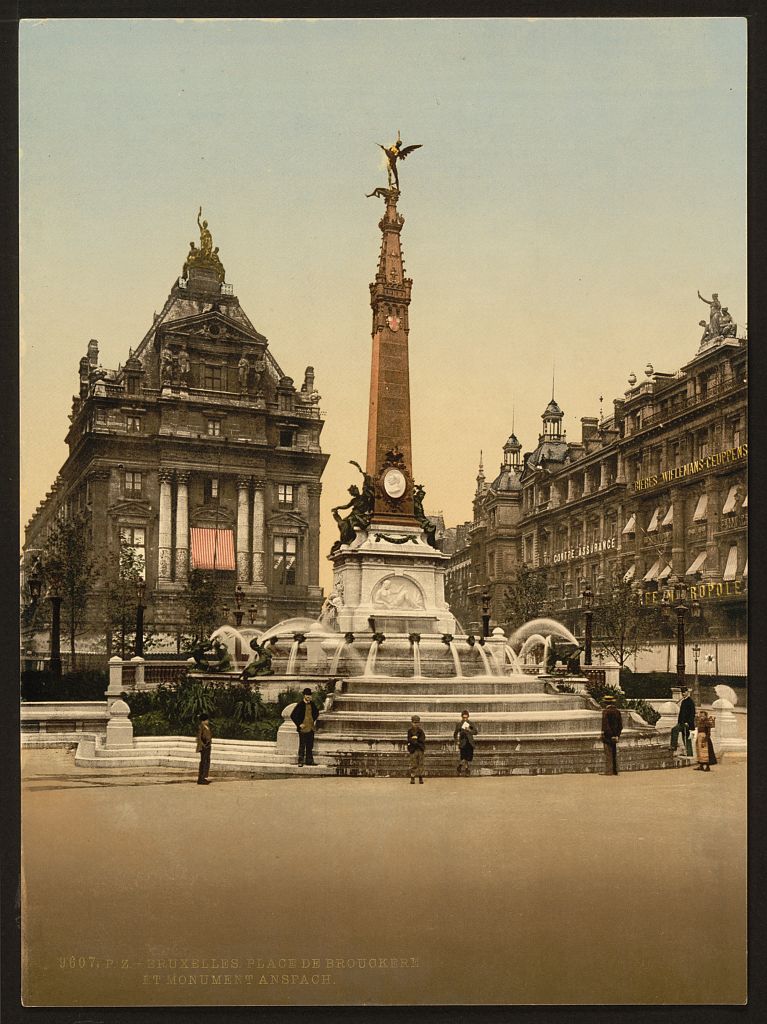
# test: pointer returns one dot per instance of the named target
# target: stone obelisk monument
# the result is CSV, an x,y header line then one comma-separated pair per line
x,y
388,574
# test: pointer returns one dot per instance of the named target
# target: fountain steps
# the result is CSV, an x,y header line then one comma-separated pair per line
x,y
368,723
414,687
476,703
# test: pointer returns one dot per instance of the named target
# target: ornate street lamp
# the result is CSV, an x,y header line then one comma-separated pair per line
x,y
54,593
681,610
140,594
587,602
239,594
485,614
695,686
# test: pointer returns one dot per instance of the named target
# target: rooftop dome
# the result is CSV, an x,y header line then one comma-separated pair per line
x,y
552,409
507,480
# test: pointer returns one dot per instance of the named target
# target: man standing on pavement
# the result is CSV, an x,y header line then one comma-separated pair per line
x,y
304,716
612,727
204,743
416,745
685,723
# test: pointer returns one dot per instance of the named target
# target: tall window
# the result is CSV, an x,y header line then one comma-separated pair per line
x,y
133,424
211,488
284,562
285,495
213,378
133,538
132,484
214,428
286,438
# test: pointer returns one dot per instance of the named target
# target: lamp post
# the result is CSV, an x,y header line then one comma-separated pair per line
x,y
35,584
225,609
695,685
140,593
253,614
681,610
239,594
54,593
485,614
587,603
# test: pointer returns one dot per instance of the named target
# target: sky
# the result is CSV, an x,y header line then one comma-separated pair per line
x,y
580,180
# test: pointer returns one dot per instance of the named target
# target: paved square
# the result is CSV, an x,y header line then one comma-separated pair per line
x,y
557,889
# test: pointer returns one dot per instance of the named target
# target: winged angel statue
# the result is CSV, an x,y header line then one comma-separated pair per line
x,y
393,154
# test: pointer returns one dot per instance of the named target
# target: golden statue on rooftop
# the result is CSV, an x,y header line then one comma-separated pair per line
x,y
206,254
394,153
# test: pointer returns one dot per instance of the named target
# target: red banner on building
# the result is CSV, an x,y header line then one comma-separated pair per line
x,y
212,549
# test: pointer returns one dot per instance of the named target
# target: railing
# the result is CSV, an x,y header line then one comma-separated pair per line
x,y
697,532
227,289
687,402
727,524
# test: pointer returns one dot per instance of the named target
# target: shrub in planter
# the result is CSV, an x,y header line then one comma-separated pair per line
x,y
152,723
647,711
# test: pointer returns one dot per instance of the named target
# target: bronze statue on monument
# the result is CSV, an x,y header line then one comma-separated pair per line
x,y
393,153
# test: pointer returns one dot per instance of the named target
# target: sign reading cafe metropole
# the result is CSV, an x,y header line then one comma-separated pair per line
x,y
691,468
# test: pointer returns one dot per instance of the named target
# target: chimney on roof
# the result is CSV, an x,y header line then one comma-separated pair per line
x,y
589,428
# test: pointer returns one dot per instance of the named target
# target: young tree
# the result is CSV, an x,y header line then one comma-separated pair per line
x,y
125,569
526,596
68,565
202,604
623,626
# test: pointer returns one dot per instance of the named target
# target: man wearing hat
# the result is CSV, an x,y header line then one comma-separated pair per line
x,y
685,723
416,745
612,726
304,716
204,743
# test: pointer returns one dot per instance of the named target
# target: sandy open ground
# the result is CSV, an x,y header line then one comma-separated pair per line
x,y
142,890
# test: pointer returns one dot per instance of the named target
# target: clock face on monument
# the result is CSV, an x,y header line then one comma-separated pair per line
x,y
394,483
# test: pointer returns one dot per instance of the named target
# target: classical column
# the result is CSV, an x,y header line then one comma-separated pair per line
x,y
314,491
678,534
302,505
712,570
243,485
164,531
570,488
602,475
620,476
182,527
258,530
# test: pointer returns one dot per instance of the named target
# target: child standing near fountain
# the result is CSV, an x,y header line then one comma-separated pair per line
x,y
416,746
464,734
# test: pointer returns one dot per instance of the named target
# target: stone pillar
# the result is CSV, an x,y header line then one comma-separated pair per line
x,y
243,574
164,534
182,527
314,490
119,727
302,505
602,475
620,476
712,570
586,482
258,530
678,534
570,488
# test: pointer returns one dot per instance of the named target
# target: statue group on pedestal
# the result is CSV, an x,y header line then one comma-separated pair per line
x,y
720,324
174,366
361,505
206,254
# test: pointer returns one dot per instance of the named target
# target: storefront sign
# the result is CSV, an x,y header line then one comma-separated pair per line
x,y
583,550
692,468
698,592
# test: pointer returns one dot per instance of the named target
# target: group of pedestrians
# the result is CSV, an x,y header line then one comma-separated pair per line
x,y
305,714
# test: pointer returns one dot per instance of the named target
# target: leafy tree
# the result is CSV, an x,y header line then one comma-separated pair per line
x,y
201,602
125,569
526,596
622,624
68,565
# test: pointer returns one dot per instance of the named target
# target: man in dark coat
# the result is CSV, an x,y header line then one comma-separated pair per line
x,y
685,723
416,745
204,743
612,726
304,716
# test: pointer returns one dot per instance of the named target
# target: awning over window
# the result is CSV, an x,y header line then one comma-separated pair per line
x,y
731,568
630,574
653,527
729,506
652,572
697,565
668,519
745,502
700,508
212,549
664,573
630,526
745,569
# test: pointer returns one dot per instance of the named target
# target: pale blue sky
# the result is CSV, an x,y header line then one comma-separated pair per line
x,y
579,181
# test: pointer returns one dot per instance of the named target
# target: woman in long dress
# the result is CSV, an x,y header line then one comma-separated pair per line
x,y
704,748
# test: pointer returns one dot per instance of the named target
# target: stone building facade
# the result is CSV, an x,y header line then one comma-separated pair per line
x,y
656,492
199,452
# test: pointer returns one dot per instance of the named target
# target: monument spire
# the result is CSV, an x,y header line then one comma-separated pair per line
x,y
389,445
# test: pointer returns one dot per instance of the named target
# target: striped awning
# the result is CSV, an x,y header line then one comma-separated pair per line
x,y
630,574
745,569
697,565
664,573
700,509
652,528
652,572
729,505
668,519
212,549
731,568
630,526
745,502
